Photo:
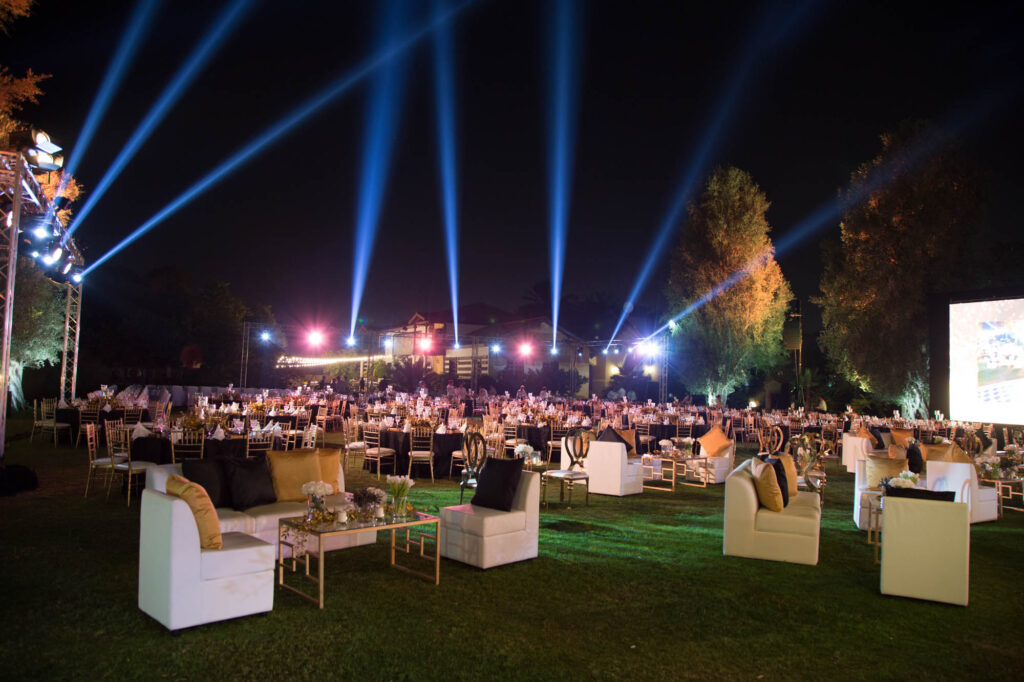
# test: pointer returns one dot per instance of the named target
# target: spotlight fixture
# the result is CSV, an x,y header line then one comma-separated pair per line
x,y
525,349
456,345
350,341
554,350
40,232
264,336
604,352
35,254
389,343
495,348
315,337
76,278
67,268
672,325
426,343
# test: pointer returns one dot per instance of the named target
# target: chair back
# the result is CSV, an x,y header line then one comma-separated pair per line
x,y
577,445
132,416
188,446
371,435
257,442
309,437
90,440
684,429
421,439
510,430
558,433
49,408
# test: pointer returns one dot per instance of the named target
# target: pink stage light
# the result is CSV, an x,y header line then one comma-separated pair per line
x,y
315,337
525,349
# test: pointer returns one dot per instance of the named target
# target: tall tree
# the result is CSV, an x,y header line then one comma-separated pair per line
x,y
913,235
15,91
725,265
37,337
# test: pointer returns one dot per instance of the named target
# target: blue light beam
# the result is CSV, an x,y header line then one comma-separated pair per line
x,y
829,211
278,130
215,36
769,31
563,91
137,27
444,98
380,126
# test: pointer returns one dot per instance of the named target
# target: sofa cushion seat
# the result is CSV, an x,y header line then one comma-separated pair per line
x,y
986,494
266,516
232,521
801,517
482,521
239,554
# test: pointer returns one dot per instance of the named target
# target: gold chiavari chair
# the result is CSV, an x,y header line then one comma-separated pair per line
x,y
421,448
50,423
189,445
373,451
353,446
126,468
511,433
88,415
97,465
37,420
109,426
309,437
643,435
558,432
322,420
132,416
257,442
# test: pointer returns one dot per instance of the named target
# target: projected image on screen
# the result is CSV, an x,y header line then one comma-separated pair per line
x,y
986,361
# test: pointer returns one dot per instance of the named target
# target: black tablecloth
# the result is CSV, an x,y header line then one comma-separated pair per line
x,y
536,436
444,444
229,448
152,449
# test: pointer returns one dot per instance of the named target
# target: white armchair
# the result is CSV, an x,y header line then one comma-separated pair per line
x,y
484,537
926,550
717,468
182,585
962,478
856,448
759,533
611,470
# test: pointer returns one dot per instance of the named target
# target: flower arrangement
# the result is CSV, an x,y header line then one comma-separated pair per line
x,y
317,489
365,497
906,479
399,486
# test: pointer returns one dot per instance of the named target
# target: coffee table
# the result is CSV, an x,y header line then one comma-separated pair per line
x,y
290,530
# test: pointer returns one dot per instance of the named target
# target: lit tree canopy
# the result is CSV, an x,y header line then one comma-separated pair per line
x,y
37,337
739,328
909,238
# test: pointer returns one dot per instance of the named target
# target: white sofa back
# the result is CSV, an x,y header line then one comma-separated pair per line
x,y
611,470
169,560
156,477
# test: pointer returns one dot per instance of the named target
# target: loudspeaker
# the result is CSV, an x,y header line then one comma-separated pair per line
x,y
792,334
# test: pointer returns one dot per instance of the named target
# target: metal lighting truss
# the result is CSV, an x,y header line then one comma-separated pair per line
x,y
20,194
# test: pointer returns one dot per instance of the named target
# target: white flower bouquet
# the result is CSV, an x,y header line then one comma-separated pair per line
x,y
399,486
317,489
524,450
906,479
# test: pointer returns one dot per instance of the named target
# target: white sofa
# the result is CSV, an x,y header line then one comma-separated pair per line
x,y
611,470
926,550
485,538
182,585
262,521
962,478
718,468
759,533
856,448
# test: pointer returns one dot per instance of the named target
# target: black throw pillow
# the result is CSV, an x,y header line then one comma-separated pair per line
x,y
920,494
985,440
915,462
250,483
780,474
610,435
209,474
497,483
876,435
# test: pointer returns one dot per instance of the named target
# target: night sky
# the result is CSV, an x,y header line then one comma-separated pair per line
x,y
280,229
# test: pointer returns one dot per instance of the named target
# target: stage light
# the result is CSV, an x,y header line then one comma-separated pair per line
x,y
672,325
495,348
35,254
554,350
132,37
315,337
525,349
264,336
350,341
752,404
426,344
215,35
67,268
613,370
380,123
389,343
562,97
604,351
40,232
649,370
456,345
76,278
444,99
275,132
648,349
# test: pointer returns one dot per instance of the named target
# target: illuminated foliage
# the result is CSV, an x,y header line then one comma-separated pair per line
x,y
740,328
911,238
37,337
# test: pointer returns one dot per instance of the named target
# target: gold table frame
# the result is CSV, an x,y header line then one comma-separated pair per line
x,y
689,464
1005,492
292,525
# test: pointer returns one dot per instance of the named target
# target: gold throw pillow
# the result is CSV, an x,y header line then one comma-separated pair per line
x,y
628,435
790,466
897,452
902,437
290,470
330,464
202,509
769,494
878,468
940,452
715,442
956,454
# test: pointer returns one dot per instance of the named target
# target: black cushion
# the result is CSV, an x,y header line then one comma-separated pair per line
x,y
780,474
985,440
209,474
876,435
610,435
497,483
921,494
915,462
250,483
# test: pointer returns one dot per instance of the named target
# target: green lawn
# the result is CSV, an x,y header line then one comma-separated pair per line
x,y
632,588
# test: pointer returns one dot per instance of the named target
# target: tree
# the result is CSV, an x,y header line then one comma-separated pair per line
x,y
37,337
724,266
912,236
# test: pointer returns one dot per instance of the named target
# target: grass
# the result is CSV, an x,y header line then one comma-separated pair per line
x,y
633,587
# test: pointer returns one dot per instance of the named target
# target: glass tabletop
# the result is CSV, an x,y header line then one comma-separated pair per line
x,y
299,522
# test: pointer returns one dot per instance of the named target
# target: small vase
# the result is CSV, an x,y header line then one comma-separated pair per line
x,y
398,508
314,504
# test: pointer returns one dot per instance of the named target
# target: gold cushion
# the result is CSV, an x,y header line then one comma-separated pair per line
x,y
790,466
769,494
878,468
956,454
715,442
897,452
202,509
902,436
628,435
330,463
290,470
